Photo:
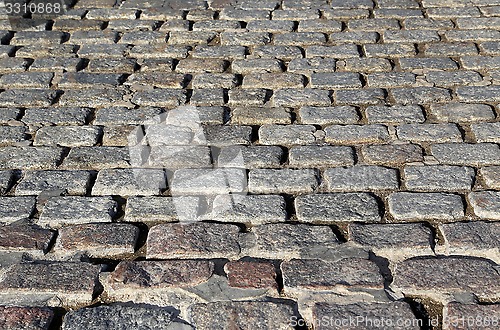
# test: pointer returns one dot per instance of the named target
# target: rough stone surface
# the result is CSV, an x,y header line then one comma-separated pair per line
x,y
28,318
486,204
425,206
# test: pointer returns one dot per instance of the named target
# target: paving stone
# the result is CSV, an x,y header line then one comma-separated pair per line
x,y
486,132
248,97
71,210
328,115
321,156
45,64
421,95
473,317
29,318
423,63
26,80
439,276
478,94
250,157
284,53
467,154
481,62
84,37
92,98
390,79
40,37
459,112
353,134
365,64
273,80
295,15
411,36
302,97
16,208
158,53
103,50
389,50
328,208
208,97
29,158
97,158
215,80
364,315
160,98
270,26
259,116
161,209
199,65
397,114
213,25
67,136
6,178
330,275
338,52
319,25
208,181
245,38
123,316
375,24
359,96
128,182
453,78
195,240
335,80
257,65
24,237
173,157
429,133
89,80
11,135
425,206
38,182
97,240
248,209
365,4
228,135
471,238
286,241
251,275
450,49
243,15
56,116
221,52
361,178
439,178
260,314
71,283
279,181
286,135
308,65
9,114
491,176
27,97
300,38
154,275
486,204
472,35
356,37
157,79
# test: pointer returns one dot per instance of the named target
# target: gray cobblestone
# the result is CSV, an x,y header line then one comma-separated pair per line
x,y
338,52
407,206
491,176
392,154
486,132
361,178
459,112
69,182
356,134
29,158
421,95
273,80
321,156
249,66
439,178
364,64
390,79
97,158
389,50
338,207
250,156
16,208
429,133
328,115
486,204
286,135
308,65
259,116
397,114
154,209
359,97
335,80
450,49
356,37
282,181
467,154
67,136
129,182
11,135
247,97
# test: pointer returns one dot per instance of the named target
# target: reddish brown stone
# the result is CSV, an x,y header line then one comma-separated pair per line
x,y
160,274
25,318
255,275
24,237
98,239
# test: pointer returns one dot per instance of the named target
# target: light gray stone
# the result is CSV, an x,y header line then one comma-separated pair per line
x,y
321,156
282,181
486,204
16,208
69,182
439,178
425,206
361,178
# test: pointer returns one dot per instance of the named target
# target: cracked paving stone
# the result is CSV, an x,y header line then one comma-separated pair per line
x,y
361,178
250,156
393,240
71,210
328,208
390,314
121,316
406,206
439,178
105,240
25,238
193,240
491,176
161,209
330,275
243,314
437,277
476,238
97,158
286,241
321,156
37,182
486,204
129,182
251,275
282,181
71,283
27,318
16,208
248,209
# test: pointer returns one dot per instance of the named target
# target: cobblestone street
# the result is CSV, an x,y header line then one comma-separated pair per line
x,y
250,164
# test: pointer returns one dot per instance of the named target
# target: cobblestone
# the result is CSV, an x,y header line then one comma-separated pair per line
x,y
485,204
439,178
289,181
12,317
425,206
321,156
361,178
69,182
